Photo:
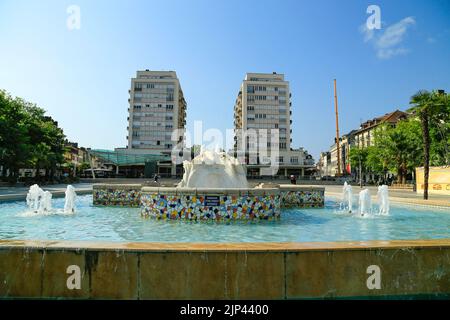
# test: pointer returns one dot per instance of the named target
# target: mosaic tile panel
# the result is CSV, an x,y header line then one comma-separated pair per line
x,y
302,199
196,207
117,197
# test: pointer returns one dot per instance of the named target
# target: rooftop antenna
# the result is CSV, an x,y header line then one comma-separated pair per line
x,y
337,131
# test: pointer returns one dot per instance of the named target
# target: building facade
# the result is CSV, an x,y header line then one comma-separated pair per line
x,y
262,124
346,142
324,164
157,117
365,137
362,137
157,108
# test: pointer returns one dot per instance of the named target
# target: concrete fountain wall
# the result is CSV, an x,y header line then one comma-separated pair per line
x,y
408,269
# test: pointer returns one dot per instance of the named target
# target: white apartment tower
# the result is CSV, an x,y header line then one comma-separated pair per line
x,y
157,108
263,104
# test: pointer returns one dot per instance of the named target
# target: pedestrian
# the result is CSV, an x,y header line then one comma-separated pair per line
x,y
293,179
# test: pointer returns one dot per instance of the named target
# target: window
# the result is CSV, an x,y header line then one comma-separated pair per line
x,y
280,159
294,159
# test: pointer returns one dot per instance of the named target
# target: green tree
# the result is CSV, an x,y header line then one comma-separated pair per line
x,y
399,147
28,138
440,131
358,159
427,106
14,140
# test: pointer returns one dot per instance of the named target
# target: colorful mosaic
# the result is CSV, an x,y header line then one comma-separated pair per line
x,y
302,199
117,197
218,208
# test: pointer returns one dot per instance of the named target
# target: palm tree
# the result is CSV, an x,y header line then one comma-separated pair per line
x,y
424,103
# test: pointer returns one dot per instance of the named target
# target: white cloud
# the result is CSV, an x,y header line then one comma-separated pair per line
x,y
389,53
368,33
387,42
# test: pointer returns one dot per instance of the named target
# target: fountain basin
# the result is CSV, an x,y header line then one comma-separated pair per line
x,y
310,253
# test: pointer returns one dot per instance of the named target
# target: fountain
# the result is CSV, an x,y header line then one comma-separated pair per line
x,y
347,197
215,187
365,202
383,199
213,169
69,205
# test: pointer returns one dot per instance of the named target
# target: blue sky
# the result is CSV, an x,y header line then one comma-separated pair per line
x,y
81,77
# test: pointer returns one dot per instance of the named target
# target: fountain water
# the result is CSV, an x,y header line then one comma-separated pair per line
x,y
46,203
40,201
347,197
34,198
383,199
69,206
365,202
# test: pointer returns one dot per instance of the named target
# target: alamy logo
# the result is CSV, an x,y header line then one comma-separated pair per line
x,y
374,21
74,280
74,18
374,280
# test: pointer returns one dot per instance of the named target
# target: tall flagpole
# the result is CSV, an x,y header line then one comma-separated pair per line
x,y
337,131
